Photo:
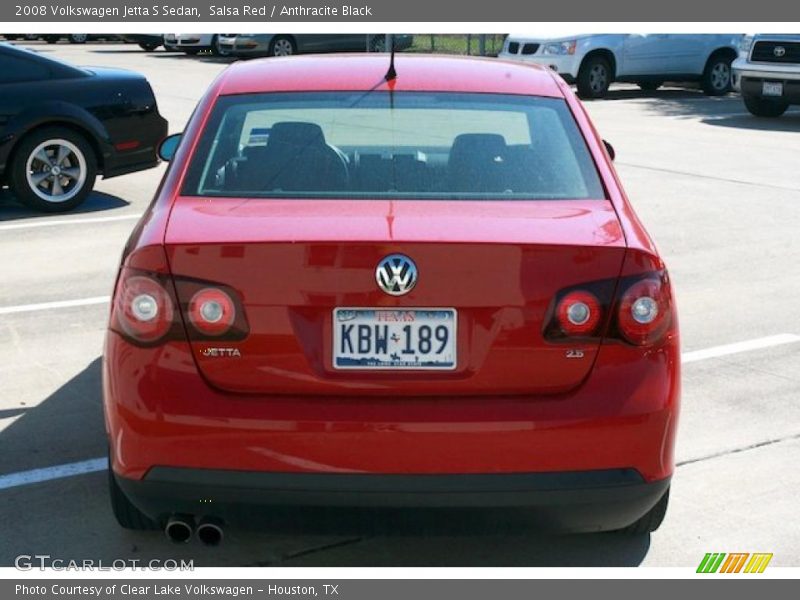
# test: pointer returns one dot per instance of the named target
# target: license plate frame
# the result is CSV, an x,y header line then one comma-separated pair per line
x,y
772,89
447,316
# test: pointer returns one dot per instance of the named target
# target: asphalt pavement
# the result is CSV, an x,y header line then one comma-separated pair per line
x,y
719,191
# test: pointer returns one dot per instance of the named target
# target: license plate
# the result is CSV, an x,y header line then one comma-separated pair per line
x,y
771,88
378,338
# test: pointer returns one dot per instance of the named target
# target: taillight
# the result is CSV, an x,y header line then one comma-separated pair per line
x,y
643,310
149,303
579,313
638,313
212,311
144,309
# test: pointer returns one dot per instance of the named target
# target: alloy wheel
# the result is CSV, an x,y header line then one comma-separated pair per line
x,y
720,76
56,170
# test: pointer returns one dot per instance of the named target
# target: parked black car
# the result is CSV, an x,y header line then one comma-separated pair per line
x,y
61,125
147,42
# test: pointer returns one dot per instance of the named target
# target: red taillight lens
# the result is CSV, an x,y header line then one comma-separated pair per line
x,y
643,311
212,311
636,309
144,309
579,313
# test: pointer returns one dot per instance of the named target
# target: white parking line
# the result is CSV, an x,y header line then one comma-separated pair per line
x,y
7,310
49,473
54,222
727,349
94,465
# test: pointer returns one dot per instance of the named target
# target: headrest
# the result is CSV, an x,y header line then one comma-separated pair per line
x,y
297,133
483,145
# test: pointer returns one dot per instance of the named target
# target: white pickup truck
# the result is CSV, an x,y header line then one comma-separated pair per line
x,y
767,73
593,62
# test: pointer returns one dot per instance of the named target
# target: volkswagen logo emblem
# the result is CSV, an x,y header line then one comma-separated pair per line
x,y
396,274
779,51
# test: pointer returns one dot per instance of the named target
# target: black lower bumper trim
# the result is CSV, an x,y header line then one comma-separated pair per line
x,y
753,86
573,501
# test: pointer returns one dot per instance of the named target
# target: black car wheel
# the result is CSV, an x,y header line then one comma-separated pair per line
x,y
51,39
53,169
78,38
282,45
149,46
650,86
594,77
717,75
764,107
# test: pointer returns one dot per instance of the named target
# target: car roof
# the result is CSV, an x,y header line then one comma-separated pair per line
x,y
355,72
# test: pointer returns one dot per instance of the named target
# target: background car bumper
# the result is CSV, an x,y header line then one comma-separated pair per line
x,y
569,501
753,87
239,50
567,65
150,131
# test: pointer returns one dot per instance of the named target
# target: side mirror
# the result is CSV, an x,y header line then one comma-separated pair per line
x,y
168,147
609,148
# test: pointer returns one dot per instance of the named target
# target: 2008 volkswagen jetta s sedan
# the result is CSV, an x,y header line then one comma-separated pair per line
x,y
420,288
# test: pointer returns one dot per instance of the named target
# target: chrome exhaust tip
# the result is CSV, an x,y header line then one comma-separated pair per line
x,y
179,529
209,531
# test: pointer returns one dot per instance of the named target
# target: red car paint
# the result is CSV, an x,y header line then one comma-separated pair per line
x,y
516,403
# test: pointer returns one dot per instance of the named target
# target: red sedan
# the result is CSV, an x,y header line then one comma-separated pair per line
x,y
421,288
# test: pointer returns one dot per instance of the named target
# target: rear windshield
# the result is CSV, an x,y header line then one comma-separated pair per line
x,y
392,145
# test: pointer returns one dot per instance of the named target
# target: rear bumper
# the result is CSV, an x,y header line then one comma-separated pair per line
x,y
161,412
602,500
150,131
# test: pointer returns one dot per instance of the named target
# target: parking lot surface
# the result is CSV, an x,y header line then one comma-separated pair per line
x,y
718,189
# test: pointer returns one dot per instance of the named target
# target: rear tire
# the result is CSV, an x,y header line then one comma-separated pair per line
x,y
149,47
127,515
717,80
594,78
51,39
652,520
53,169
78,38
761,107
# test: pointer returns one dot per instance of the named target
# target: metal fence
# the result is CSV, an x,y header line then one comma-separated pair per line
x,y
474,44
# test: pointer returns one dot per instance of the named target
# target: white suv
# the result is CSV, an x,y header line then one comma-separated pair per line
x,y
767,73
593,62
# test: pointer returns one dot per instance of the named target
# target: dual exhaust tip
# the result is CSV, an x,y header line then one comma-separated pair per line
x,y
180,529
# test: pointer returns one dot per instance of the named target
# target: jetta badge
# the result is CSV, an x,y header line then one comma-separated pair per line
x,y
396,274
779,51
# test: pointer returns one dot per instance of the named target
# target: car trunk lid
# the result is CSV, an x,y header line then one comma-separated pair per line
x,y
499,264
